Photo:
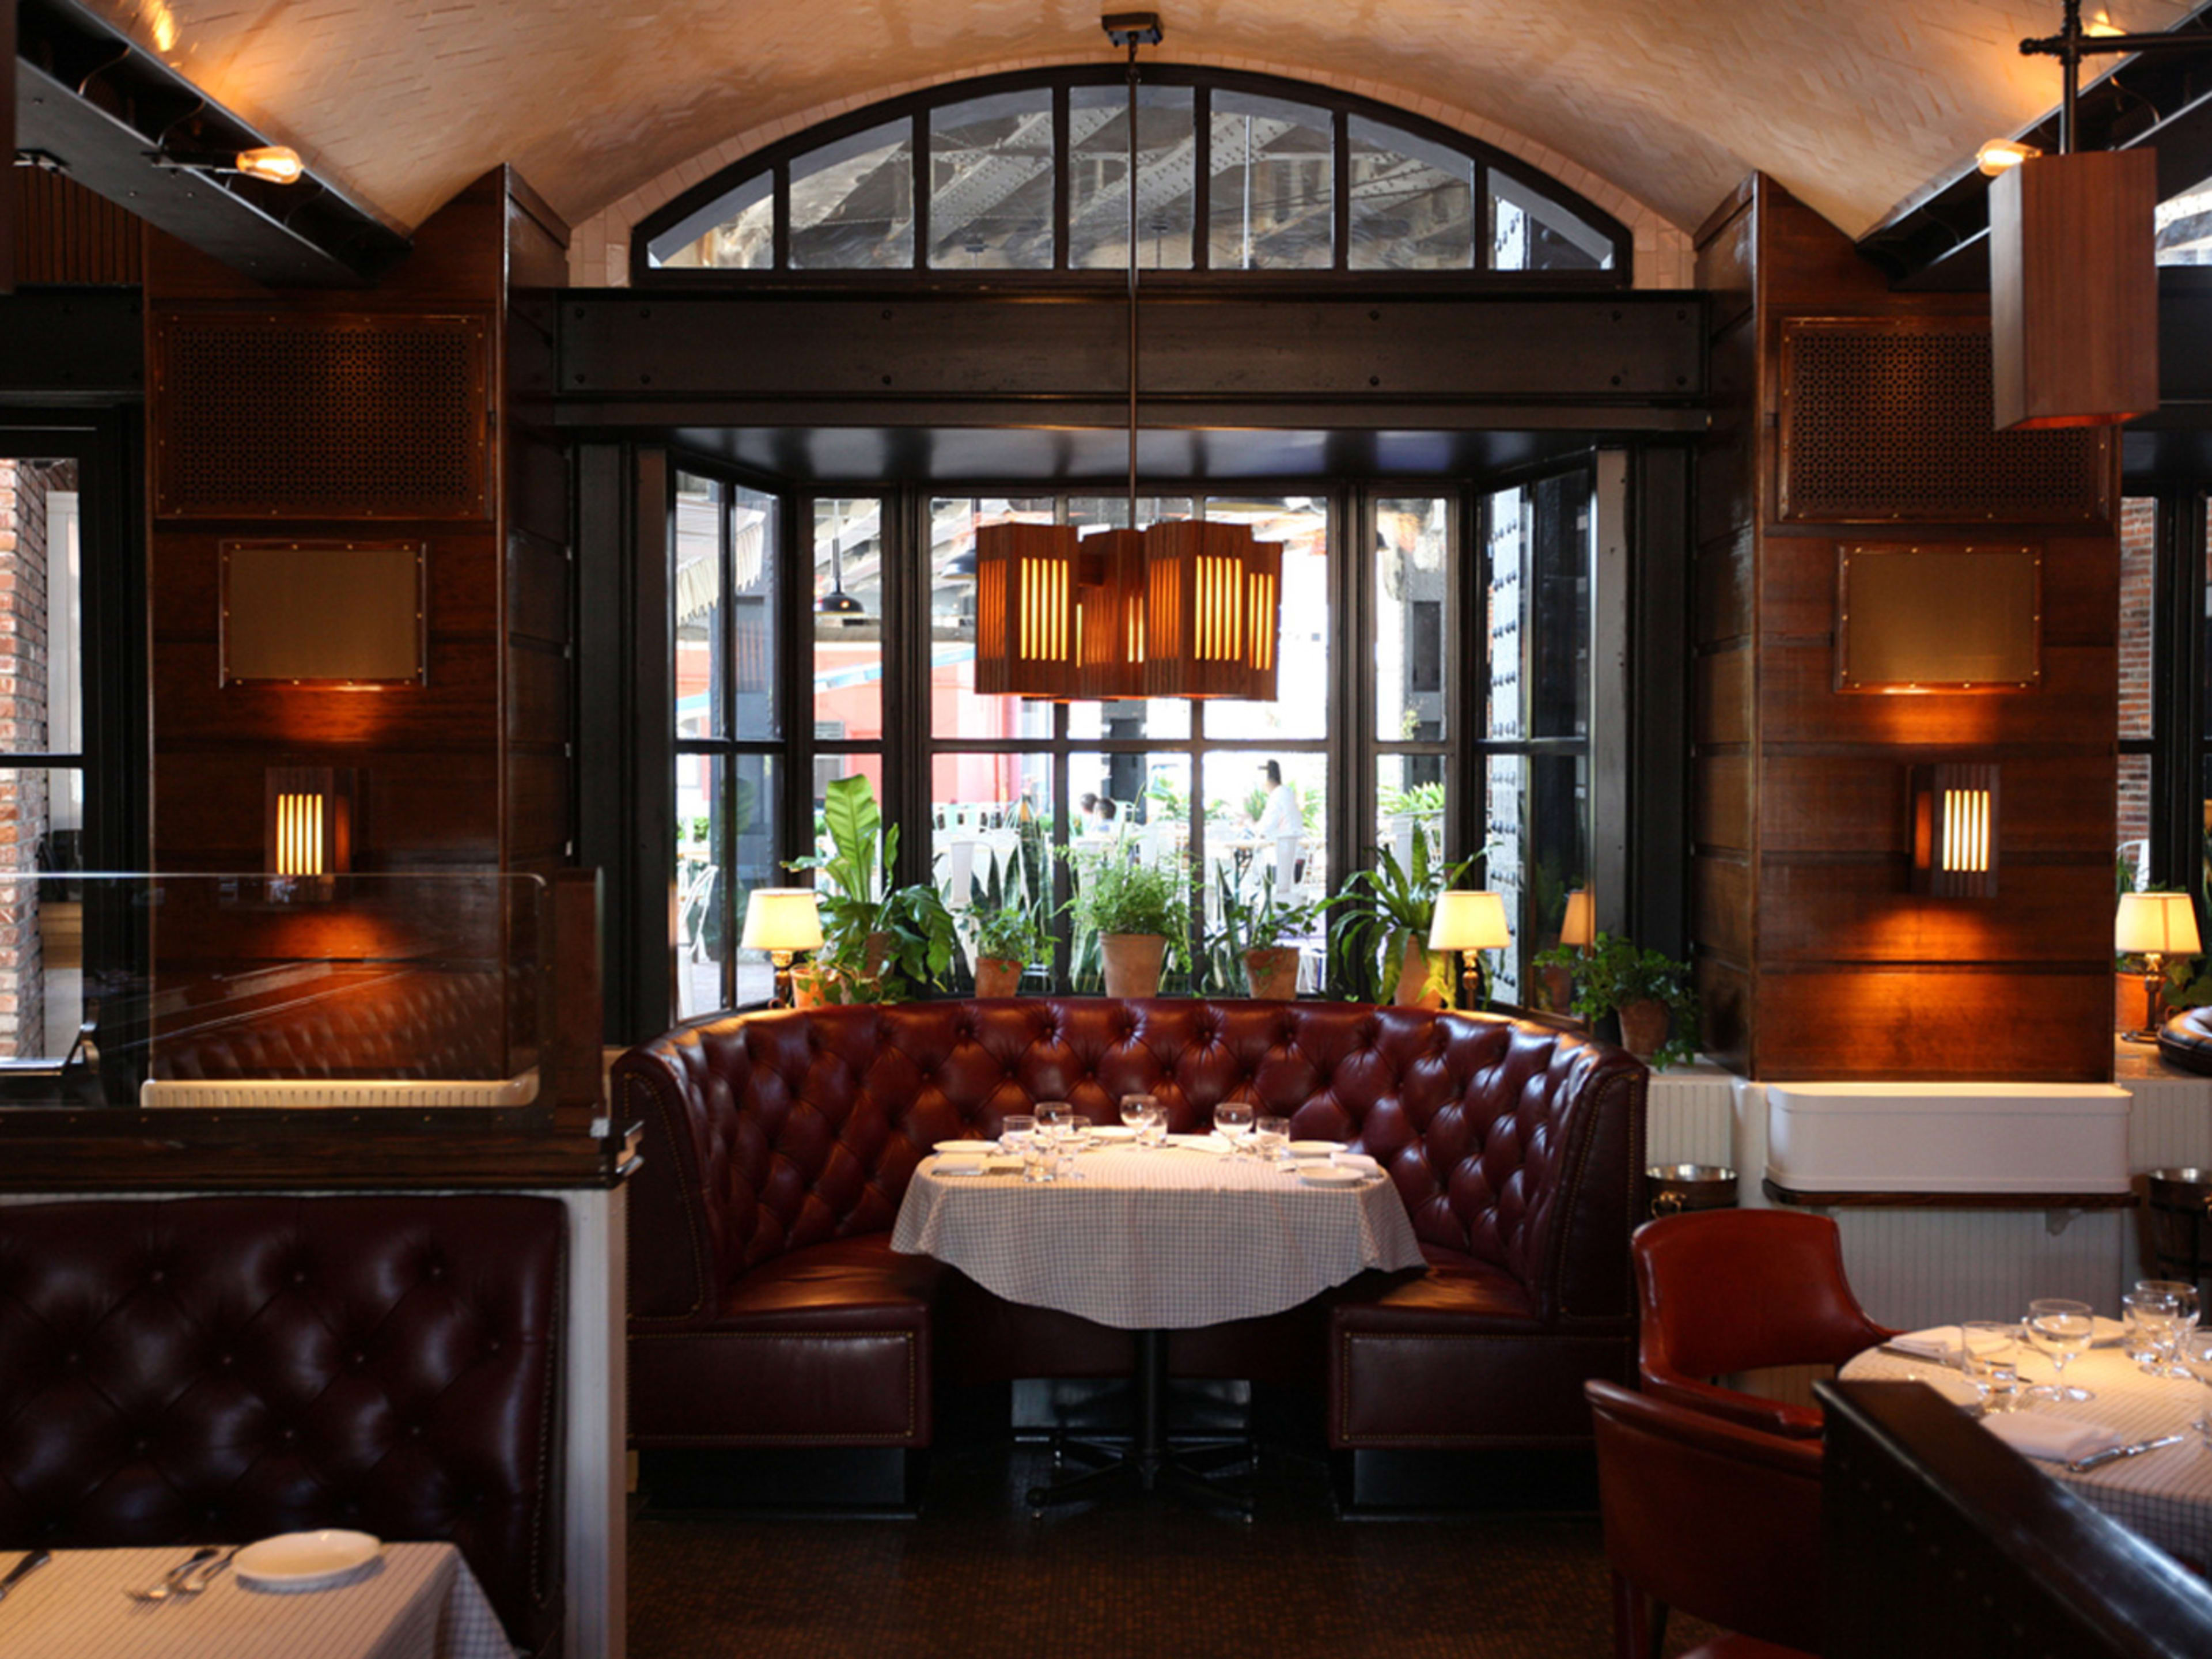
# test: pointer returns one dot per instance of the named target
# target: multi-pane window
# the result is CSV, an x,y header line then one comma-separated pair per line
x,y
1233,174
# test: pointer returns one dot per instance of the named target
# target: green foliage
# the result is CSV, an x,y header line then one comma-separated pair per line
x,y
1378,909
880,944
1616,973
1120,897
1423,801
1261,923
1008,932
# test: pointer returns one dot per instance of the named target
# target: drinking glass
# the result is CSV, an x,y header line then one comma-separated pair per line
x,y
1231,1119
1016,1131
1133,1111
1271,1138
1151,1123
2195,1361
1988,1355
2062,1330
1040,1158
2186,1311
2154,1327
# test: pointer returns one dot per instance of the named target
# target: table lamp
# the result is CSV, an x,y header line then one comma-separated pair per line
x,y
783,922
1578,927
2156,925
1470,923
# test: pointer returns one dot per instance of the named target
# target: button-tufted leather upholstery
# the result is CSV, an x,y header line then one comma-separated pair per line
x,y
778,1138
221,1368
402,1023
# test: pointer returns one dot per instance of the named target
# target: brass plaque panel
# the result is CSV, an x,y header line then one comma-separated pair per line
x,y
324,613
1939,618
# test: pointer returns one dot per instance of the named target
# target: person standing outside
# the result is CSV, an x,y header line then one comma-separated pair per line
x,y
1282,822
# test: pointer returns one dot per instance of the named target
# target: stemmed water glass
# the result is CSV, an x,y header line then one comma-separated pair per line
x,y
2062,1330
1270,1140
2154,1329
1232,1121
1148,1117
2186,1310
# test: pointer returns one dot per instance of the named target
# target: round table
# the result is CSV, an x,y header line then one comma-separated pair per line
x,y
2165,1496
1151,1241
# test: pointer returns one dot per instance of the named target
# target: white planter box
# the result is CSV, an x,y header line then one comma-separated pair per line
x,y
1947,1137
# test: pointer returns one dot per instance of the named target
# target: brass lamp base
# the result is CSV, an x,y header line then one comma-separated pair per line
x,y
2154,984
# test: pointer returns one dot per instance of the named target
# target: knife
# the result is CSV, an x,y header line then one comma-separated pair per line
x,y
23,1569
2098,1460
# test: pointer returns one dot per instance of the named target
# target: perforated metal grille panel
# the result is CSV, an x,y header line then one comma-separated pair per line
x,y
1886,421
280,418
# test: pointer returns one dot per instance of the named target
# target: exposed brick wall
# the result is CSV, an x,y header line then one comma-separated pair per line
x,y
2138,541
24,811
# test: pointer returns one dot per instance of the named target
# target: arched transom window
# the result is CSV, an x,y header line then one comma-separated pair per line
x,y
1234,174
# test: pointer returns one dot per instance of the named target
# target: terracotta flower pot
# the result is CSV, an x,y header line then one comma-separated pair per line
x,y
1133,962
2131,1003
1272,973
1413,988
808,988
1644,1026
1558,984
996,976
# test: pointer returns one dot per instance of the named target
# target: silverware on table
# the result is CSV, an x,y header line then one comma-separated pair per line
x,y
2113,1454
23,1569
166,1586
199,1577
1918,1357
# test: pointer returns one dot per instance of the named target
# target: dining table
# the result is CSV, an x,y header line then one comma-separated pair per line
x,y
414,1602
1152,1240
2163,1495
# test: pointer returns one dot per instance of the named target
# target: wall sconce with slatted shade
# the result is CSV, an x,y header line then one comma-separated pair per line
x,y
307,821
1954,830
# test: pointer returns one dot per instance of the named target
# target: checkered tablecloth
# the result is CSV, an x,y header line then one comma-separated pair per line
x,y
420,1601
1156,1240
2164,1496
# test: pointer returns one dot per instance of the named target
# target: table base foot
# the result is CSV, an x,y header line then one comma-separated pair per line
x,y
1151,1465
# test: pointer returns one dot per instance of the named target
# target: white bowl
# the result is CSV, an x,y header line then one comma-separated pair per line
x,y
305,1560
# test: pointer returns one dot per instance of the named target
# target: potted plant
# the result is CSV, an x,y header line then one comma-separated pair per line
x,y
1379,934
1253,934
880,944
1134,908
1008,937
1648,990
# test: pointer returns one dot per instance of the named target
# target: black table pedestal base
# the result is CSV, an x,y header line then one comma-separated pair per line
x,y
1151,1465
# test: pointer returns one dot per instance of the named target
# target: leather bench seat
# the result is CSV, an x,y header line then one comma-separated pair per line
x,y
767,1310
2185,1040
828,1345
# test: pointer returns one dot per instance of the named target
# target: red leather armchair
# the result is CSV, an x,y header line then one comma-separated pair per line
x,y
207,1370
1726,1291
768,1309
1722,1521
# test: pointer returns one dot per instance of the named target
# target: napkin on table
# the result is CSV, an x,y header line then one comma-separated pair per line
x,y
2054,1439
1940,1343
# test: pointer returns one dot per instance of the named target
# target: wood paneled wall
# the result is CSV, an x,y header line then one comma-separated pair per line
x,y
66,233
471,768
1815,958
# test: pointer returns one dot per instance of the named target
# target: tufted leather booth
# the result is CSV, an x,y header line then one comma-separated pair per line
x,y
404,1023
767,1308
221,1368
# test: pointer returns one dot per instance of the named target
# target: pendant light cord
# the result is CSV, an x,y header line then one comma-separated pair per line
x,y
1133,283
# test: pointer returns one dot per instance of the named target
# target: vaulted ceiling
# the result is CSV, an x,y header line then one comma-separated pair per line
x,y
1857,105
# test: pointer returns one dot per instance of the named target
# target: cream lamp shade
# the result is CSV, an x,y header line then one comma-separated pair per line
x,y
782,919
1469,921
2164,924
1575,928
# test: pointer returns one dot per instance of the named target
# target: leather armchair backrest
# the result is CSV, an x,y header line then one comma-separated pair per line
x,y
788,1130
1730,1291
222,1369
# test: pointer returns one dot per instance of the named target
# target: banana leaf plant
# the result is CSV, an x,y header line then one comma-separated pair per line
x,y
880,944
1379,909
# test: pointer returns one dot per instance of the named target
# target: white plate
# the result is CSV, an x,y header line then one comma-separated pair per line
x,y
1113,1132
1323,1174
305,1560
972,1148
1315,1148
1359,1164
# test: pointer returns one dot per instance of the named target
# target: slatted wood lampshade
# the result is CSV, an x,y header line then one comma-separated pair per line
x,y
1203,626
2074,290
1026,578
1955,831
307,820
1110,625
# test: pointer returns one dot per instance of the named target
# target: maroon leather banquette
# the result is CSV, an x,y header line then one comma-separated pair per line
x,y
216,1370
768,1309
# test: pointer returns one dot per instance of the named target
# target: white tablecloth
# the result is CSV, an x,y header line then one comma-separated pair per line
x,y
1156,1240
2164,1496
419,1602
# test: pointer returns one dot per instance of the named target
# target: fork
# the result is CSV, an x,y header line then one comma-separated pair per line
x,y
166,1585
199,1577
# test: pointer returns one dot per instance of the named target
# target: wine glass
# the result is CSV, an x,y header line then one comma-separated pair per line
x,y
1016,1131
2154,1321
1988,1356
1148,1117
2187,1309
1231,1119
1271,1138
1133,1111
2196,1361
2062,1330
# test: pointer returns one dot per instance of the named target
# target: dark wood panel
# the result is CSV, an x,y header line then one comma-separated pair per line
x,y
538,807
1721,896
1981,1201
1725,1004
538,485
537,694
1856,802
67,233
2081,581
1866,911
458,709
413,805
537,238
1726,267
1728,464
186,573
1723,695
1721,787
538,606
1726,587
1992,1023
2078,702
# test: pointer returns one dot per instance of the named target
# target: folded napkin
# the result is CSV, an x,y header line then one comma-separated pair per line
x,y
1359,1161
995,1163
1940,1343
2054,1439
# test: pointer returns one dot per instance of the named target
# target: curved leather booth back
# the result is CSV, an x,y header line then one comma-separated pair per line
x,y
222,1369
770,1132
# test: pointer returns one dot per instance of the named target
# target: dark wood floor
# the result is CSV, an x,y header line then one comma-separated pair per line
x,y
976,1577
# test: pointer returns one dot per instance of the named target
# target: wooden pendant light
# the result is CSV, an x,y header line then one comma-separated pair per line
x,y
2074,290
1026,578
1110,633
1198,615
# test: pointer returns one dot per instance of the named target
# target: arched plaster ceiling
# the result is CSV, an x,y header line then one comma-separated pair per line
x,y
1855,104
